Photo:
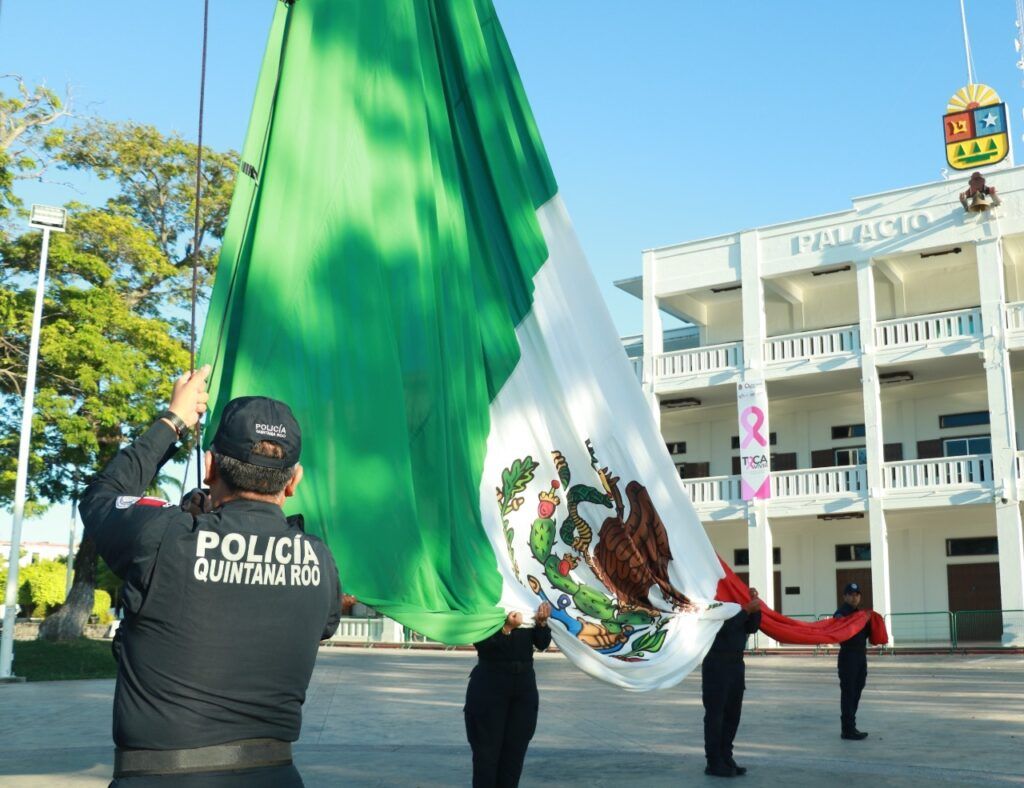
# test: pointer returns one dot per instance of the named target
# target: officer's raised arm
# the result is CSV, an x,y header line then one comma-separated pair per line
x,y
113,512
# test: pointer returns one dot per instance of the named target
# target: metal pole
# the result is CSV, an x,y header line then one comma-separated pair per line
x,y
967,45
11,597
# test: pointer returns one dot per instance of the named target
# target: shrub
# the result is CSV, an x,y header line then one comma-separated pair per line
x,y
42,586
101,606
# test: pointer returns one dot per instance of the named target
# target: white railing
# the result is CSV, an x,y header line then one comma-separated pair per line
x,y
818,482
813,344
698,360
806,483
962,323
713,489
1015,316
970,470
359,630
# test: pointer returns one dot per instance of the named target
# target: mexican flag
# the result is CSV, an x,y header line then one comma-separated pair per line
x,y
399,268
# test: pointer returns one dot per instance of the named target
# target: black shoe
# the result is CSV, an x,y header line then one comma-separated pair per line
x,y
719,770
854,734
740,770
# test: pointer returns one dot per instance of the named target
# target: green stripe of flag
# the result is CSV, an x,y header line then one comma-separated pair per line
x,y
373,278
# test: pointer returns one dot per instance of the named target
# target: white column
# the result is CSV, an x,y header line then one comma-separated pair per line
x,y
881,584
1003,429
654,336
759,531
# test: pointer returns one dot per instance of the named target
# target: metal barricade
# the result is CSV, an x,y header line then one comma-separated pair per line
x,y
928,629
987,627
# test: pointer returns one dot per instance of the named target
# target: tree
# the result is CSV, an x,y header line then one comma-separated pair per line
x,y
28,131
115,331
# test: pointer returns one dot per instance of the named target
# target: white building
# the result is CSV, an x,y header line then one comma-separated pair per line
x,y
891,339
37,551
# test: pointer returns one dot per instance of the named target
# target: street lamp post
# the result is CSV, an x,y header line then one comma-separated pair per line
x,y
47,219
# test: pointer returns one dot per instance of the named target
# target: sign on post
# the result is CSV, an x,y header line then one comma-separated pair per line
x,y
755,455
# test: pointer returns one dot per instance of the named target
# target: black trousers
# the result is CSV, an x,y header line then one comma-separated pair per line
x,y
269,777
501,717
853,674
722,685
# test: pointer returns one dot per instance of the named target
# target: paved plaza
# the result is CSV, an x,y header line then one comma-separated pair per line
x,y
394,718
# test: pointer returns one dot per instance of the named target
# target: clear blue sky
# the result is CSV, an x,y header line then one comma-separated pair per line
x,y
664,121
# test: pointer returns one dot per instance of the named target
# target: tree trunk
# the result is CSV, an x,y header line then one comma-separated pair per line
x,y
69,622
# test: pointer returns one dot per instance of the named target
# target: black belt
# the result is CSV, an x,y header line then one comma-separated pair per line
x,y
508,666
243,754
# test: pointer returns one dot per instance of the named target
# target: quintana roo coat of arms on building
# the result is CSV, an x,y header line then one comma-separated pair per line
x,y
629,559
976,129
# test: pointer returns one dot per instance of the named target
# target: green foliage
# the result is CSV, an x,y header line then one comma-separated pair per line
x,y
101,605
27,133
40,660
114,332
42,586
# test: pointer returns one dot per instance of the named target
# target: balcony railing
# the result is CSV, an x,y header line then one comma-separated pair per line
x,y
812,344
805,483
920,330
699,360
942,472
713,489
969,471
816,482
1015,316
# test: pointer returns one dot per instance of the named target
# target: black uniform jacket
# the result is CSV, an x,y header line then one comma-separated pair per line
x,y
223,613
516,646
732,637
859,642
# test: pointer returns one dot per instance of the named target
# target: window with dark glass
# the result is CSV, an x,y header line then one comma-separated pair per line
x,y
977,545
972,419
958,447
676,447
741,556
853,552
848,431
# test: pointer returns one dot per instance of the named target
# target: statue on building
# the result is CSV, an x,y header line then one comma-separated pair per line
x,y
978,196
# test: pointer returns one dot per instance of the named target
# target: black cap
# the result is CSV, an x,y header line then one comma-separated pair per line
x,y
851,588
246,421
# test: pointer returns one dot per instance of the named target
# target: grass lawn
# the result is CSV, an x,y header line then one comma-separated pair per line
x,y
40,660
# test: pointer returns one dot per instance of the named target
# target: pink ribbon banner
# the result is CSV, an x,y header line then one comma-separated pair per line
x,y
755,450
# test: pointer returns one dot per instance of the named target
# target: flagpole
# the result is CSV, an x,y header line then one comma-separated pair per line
x,y
967,44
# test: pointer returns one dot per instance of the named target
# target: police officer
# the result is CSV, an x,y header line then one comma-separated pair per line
x,y
853,666
502,700
722,685
224,610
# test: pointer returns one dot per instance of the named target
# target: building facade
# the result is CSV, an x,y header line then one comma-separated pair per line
x,y
891,340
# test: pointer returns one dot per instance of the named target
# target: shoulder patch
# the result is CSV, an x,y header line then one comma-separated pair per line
x,y
128,501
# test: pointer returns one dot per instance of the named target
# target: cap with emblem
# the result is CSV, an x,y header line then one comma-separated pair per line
x,y
245,421
851,588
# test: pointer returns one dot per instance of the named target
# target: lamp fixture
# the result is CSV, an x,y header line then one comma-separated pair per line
x,y
895,377
726,289
845,516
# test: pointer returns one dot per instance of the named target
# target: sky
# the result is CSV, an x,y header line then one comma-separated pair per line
x,y
665,120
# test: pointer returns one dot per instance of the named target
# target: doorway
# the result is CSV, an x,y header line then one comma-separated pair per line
x,y
975,587
862,577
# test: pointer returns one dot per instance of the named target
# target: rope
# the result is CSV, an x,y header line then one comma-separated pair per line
x,y
195,235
